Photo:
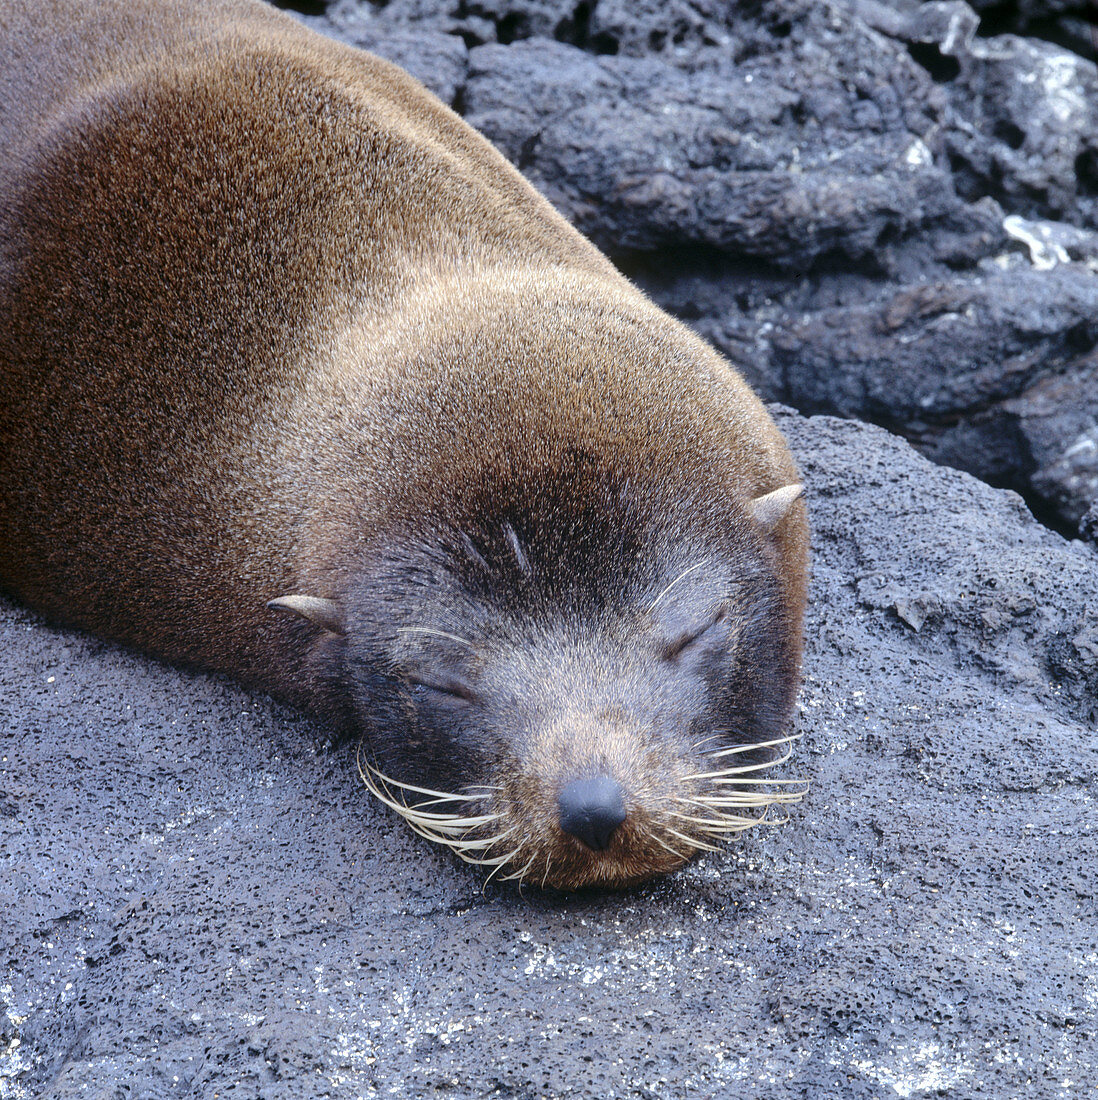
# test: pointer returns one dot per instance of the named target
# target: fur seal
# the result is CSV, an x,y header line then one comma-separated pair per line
x,y
302,382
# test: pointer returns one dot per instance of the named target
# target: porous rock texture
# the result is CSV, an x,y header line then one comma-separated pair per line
x,y
197,896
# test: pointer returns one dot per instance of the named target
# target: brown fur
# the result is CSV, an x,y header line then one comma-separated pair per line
x,y
263,298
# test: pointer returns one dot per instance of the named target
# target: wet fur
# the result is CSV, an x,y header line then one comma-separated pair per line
x,y
275,320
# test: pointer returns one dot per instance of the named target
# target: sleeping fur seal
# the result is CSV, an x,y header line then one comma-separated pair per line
x,y
302,382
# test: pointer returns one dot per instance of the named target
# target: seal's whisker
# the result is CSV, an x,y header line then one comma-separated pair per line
x,y
725,796
697,746
727,823
421,807
470,796
501,862
745,800
440,822
775,820
450,798
747,781
486,861
728,779
795,790
484,844
448,829
436,633
666,847
692,842
442,826
381,786
488,879
495,863
754,781
756,745
716,816
743,769
684,573
521,873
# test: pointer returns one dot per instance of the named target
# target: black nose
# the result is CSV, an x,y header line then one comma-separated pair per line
x,y
591,809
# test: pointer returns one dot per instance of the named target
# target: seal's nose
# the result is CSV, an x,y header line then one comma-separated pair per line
x,y
591,809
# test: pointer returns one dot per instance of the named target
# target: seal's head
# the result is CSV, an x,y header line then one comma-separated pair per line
x,y
577,685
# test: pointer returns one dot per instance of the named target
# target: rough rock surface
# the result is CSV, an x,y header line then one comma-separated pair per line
x,y
199,902
800,174
893,218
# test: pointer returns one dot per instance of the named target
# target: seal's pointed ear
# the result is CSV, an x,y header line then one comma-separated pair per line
x,y
324,613
771,508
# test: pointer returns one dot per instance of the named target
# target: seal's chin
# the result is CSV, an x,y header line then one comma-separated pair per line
x,y
519,836
631,857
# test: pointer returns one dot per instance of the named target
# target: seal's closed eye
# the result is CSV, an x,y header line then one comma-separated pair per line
x,y
691,635
441,684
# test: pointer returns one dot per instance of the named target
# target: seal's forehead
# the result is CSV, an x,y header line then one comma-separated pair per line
x,y
616,579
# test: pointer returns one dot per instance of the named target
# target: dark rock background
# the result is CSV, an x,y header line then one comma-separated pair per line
x,y
886,211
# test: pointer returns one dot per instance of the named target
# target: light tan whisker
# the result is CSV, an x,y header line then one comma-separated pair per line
x,y
728,823
448,798
697,746
744,801
684,573
737,776
487,861
743,769
482,844
504,861
468,796
693,842
447,829
775,782
775,820
757,745
666,847
436,633
520,874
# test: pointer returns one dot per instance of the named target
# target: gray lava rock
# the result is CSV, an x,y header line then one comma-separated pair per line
x,y
1088,525
199,900
1025,125
1072,478
994,375
1069,23
788,158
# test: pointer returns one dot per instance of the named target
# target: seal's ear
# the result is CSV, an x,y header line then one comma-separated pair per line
x,y
324,613
771,508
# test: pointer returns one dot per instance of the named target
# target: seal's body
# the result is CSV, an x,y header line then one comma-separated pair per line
x,y
277,327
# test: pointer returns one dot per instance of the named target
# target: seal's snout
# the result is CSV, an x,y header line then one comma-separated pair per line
x,y
591,810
